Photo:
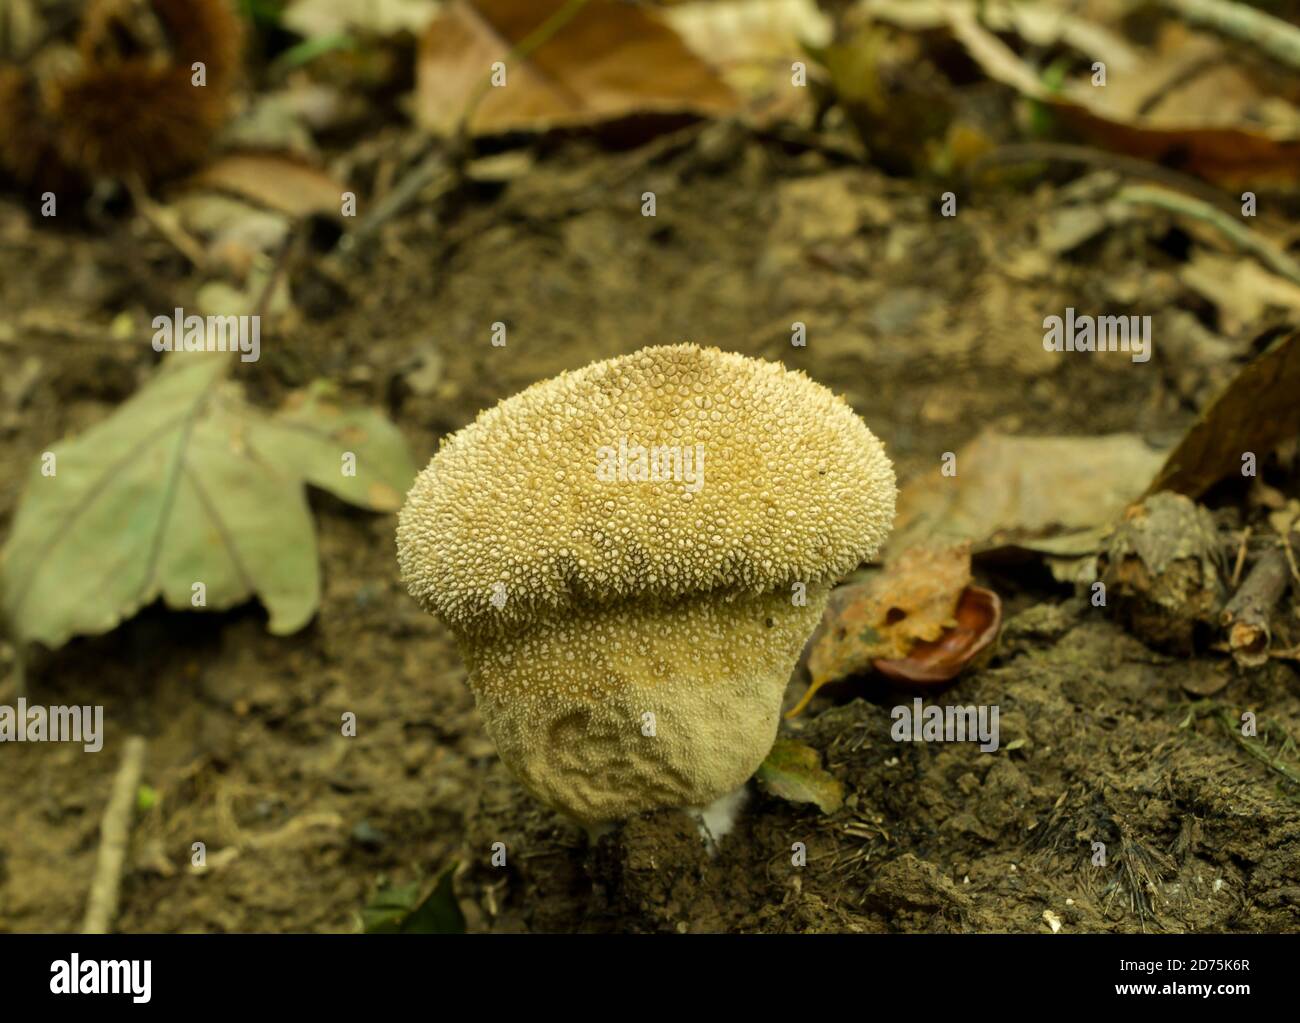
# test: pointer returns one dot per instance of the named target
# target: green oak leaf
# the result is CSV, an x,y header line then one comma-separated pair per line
x,y
186,483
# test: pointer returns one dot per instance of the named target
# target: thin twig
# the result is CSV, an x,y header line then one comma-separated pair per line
x,y
164,222
263,305
1130,166
114,836
1246,615
438,164
1290,555
1245,239
1279,39
1176,81
1241,557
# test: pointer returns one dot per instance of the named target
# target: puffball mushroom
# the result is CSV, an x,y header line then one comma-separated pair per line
x,y
632,555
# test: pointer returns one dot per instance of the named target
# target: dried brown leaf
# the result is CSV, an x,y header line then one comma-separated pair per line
x,y
1215,149
1255,412
609,61
1047,494
277,182
915,599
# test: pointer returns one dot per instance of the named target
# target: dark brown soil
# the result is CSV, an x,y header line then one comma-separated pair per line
x,y
930,326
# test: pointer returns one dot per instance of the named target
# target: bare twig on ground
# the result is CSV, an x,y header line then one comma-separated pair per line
x,y
1241,558
1129,166
1183,76
165,223
267,295
1246,615
1290,555
1279,39
1244,238
114,836
440,166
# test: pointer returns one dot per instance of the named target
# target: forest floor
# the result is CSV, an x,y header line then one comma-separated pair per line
x,y
931,328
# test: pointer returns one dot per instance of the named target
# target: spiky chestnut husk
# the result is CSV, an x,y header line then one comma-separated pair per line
x,y
123,103
29,142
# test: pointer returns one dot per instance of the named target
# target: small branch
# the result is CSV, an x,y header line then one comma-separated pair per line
x,y
263,305
439,166
1100,159
1245,239
114,836
1290,556
166,223
1179,79
1279,39
1246,615
1241,558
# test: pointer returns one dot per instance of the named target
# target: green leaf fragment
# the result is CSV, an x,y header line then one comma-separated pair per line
x,y
146,798
398,909
794,772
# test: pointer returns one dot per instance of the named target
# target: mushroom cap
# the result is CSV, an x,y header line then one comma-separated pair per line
x,y
514,521
629,639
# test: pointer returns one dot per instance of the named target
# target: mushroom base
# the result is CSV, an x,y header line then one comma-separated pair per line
x,y
607,713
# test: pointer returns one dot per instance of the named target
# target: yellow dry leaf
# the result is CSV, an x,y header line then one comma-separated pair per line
x,y
913,600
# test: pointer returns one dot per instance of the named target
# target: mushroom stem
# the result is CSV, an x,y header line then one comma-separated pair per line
x,y
715,821
612,711
718,819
